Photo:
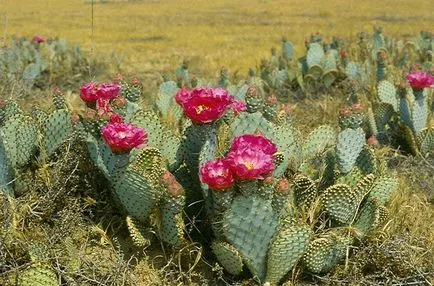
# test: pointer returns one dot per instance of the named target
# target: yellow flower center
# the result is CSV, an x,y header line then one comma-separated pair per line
x,y
201,108
122,135
248,165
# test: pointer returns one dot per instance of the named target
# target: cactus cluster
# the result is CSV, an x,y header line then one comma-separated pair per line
x,y
326,193
372,58
30,139
140,178
402,116
43,63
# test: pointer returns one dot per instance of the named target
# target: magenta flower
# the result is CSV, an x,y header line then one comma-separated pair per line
x,y
122,137
257,143
108,90
249,164
204,105
420,80
182,96
238,106
89,92
216,174
38,39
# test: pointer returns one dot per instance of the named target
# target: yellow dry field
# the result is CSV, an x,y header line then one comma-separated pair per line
x,y
156,35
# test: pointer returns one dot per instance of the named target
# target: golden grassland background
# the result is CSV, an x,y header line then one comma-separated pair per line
x,y
156,35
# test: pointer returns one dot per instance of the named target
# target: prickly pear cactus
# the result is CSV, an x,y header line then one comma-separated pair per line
x,y
249,225
19,135
56,130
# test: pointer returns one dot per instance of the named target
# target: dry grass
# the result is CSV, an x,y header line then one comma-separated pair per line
x,y
153,35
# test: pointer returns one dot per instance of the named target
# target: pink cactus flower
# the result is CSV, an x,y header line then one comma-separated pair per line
x,y
248,164
420,80
257,143
217,174
122,137
38,39
182,96
238,106
108,90
89,92
204,105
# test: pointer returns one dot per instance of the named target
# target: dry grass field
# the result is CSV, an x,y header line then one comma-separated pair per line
x,y
152,35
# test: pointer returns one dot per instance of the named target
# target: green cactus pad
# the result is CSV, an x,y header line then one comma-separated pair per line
x,y
286,139
136,193
353,71
383,188
19,135
11,110
228,257
39,115
172,223
351,178
195,137
425,141
37,276
341,202
419,114
286,249
405,112
314,56
5,172
371,216
150,122
409,139
170,149
165,100
249,225
304,190
56,130
387,94
367,161
364,186
383,113
149,163
350,144
318,141
250,123
324,253
139,234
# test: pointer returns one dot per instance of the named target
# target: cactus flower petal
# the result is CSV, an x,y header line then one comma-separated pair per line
x,y
254,142
89,92
108,91
249,164
238,106
217,174
420,80
122,137
204,105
